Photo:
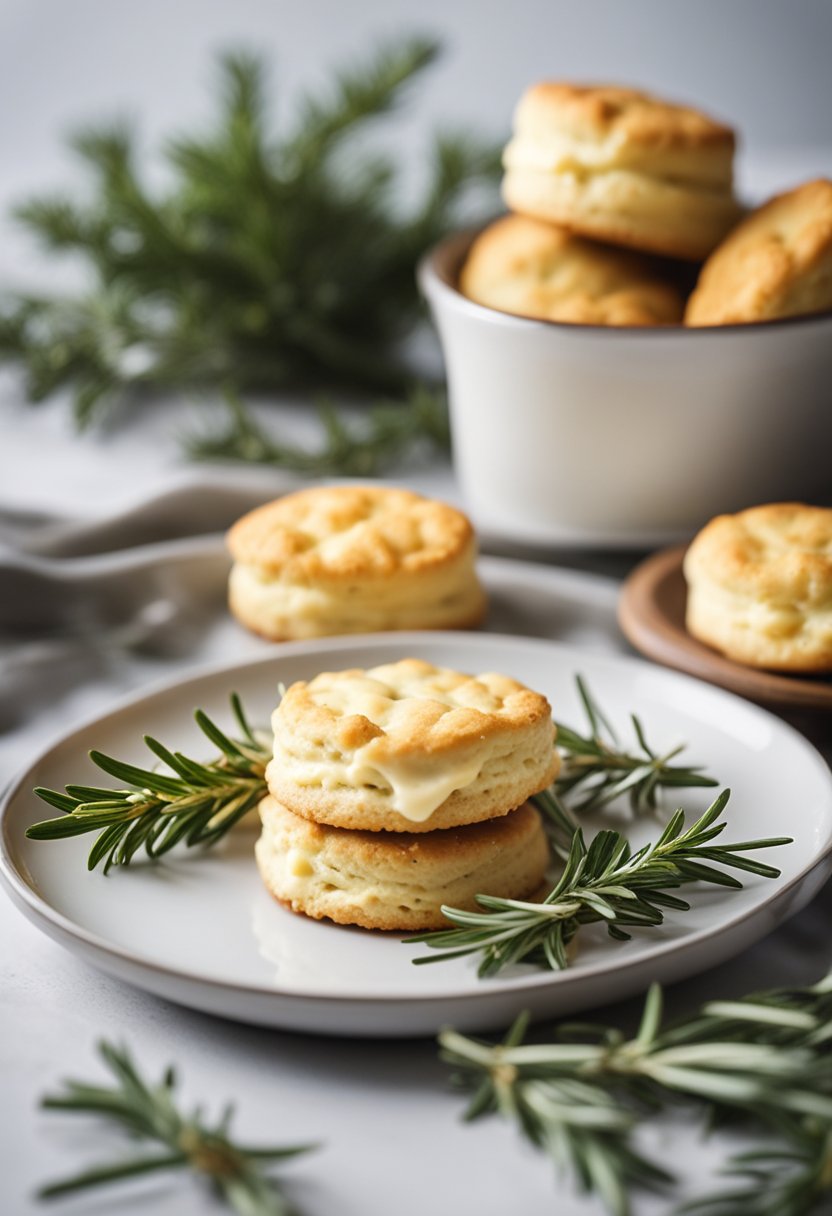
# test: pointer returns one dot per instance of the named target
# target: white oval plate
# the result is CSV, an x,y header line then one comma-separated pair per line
x,y
199,928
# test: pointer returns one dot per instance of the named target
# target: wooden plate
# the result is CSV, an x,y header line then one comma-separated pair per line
x,y
651,613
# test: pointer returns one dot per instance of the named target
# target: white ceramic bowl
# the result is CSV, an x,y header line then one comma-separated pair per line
x,y
591,435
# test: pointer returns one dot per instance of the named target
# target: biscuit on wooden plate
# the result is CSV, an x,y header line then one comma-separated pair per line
x,y
409,747
776,263
537,269
353,559
760,587
622,166
394,880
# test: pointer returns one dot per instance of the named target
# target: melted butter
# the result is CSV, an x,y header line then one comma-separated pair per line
x,y
419,785
300,864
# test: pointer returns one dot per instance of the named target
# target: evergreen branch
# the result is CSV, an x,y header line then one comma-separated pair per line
x,y
269,261
198,804
580,1096
148,1113
603,881
387,432
596,766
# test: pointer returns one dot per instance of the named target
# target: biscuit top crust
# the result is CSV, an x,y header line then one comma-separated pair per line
x,y
778,554
409,708
524,265
587,129
632,116
342,532
777,262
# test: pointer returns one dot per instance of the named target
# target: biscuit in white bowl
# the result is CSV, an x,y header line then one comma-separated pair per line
x,y
776,263
409,747
760,587
620,165
535,269
395,880
353,559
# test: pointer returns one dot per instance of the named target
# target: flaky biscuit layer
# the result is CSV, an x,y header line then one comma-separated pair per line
x,y
625,208
760,587
409,747
536,269
382,880
776,263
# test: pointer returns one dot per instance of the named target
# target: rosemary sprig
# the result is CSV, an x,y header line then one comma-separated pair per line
x,y
602,881
387,431
596,766
270,260
580,1096
196,803
148,1112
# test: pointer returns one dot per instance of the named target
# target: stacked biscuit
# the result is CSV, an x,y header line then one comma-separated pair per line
x,y
606,184
401,788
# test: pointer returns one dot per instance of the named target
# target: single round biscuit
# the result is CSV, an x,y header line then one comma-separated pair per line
x,y
622,166
389,880
534,269
776,263
353,559
760,587
409,747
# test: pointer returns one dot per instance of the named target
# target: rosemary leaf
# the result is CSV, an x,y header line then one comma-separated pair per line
x,y
602,881
580,1095
148,1113
271,260
155,811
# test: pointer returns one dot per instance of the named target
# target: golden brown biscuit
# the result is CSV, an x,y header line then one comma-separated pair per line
x,y
535,269
760,587
776,263
622,166
353,559
396,880
409,747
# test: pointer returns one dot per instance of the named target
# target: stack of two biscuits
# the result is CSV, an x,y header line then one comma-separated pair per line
x,y
401,788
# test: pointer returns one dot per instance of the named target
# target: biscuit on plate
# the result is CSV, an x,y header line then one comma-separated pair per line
x,y
409,747
353,559
397,880
536,269
760,587
622,166
776,263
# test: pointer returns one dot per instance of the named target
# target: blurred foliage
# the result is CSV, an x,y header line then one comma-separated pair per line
x,y
268,262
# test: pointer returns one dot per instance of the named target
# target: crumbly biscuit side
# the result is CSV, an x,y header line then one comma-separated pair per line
x,y
625,208
383,881
448,596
